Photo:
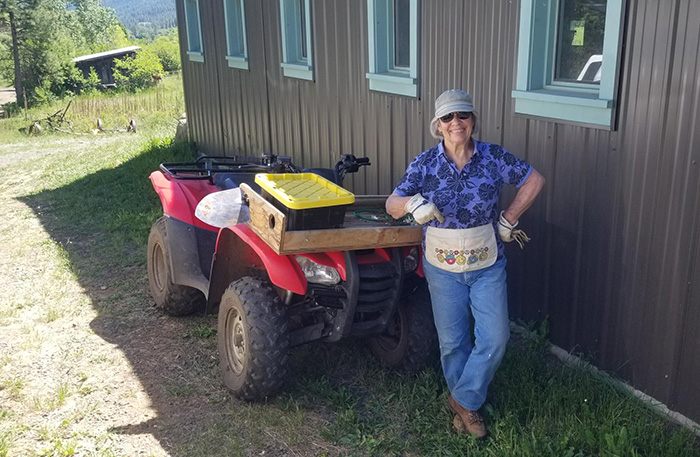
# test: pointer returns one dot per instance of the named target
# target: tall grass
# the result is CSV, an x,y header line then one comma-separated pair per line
x,y
161,104
166,98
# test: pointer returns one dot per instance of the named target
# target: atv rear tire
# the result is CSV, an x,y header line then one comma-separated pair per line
x,y
253,339
173,299
410,340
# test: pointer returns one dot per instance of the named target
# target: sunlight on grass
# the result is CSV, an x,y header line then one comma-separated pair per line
x,y
5,443
13,387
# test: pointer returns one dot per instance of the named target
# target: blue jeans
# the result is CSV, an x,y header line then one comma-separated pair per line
x,y
457,297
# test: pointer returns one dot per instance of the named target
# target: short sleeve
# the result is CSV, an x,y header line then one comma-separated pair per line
x,y
411,183
513,170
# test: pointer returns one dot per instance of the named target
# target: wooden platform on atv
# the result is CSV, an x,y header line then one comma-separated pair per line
x,y
269,223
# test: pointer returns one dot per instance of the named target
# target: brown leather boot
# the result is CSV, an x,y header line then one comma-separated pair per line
x,y
471,420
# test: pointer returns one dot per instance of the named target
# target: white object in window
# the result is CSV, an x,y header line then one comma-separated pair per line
x,y
236,43
297,52
568,60
393,46
195,50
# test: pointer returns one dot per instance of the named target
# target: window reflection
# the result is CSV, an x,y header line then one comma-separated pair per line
x,y
402,44
580,34
302,30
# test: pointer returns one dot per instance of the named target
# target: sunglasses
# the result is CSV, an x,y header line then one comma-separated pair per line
x,y
463,115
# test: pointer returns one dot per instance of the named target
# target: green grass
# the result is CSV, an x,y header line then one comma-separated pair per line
x,y
117,202
152,109
338,400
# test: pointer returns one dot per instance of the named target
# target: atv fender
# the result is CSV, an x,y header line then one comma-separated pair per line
x,y
180,198
240,252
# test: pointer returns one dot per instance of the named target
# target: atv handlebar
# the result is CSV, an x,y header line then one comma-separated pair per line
x,y
348,163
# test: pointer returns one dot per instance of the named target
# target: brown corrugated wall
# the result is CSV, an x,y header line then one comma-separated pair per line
x,y
617,230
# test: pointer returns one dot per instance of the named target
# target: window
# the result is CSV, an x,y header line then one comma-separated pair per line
x,y
195,50
393,46
568,59
297,61
237,48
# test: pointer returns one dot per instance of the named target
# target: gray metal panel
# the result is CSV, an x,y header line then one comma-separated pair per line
x,y
200,80
244,107
683,123
617,229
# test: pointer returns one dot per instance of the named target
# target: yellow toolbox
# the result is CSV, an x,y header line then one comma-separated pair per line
x,y
308,200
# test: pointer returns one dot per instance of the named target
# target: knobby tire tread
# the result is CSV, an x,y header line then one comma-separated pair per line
x,y
177,300
268,350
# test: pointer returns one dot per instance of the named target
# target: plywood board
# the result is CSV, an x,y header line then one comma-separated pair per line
x,y
269,224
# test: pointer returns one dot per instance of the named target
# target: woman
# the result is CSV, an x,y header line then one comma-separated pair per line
x,y
453,189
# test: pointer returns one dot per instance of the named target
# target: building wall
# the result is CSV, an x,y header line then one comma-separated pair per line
x,y
616,231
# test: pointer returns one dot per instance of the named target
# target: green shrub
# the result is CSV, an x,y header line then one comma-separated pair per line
x,y
136,73
43,95
167,49
12,109
70,82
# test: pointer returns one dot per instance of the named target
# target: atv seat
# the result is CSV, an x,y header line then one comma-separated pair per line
x,y
327,173
231,180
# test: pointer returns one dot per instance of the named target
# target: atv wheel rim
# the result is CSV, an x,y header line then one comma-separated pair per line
x,y
235,341
159,271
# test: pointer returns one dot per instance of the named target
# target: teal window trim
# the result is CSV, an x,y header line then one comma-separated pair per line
x,y
382,75
536,95
294,63
195,50
236,40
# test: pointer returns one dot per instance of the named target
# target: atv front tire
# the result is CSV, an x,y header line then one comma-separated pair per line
x,y
253,339
410,340
173,299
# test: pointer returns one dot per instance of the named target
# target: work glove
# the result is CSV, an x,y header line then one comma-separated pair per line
x,y
507,232
422,210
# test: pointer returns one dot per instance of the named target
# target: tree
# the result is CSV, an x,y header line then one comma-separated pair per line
x,y
99,27
135,73
9,10
167,48
47,36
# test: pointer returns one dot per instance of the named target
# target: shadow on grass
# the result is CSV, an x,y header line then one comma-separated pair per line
x,y
102,222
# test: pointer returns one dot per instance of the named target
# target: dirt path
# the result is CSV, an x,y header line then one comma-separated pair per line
x,y
63,385
88,367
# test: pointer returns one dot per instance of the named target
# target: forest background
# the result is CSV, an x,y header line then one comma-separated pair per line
x,y
39,39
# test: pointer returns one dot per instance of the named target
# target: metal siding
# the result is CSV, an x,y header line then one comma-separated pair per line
x,y
679,224
616,231
244,92
645,323
200,81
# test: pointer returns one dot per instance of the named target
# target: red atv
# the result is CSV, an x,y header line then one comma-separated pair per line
x,y
268,302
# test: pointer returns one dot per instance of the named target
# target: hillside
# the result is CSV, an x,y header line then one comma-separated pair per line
x,y
143,16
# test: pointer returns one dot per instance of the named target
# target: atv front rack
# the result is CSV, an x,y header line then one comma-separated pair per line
x,y
270,224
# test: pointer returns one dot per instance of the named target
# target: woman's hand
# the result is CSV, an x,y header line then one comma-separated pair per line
x,y
396,205
523,200
422,210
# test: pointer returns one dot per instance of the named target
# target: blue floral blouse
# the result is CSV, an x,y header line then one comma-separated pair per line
x,y
467,198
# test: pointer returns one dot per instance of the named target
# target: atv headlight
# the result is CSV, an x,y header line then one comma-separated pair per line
x,y
316,273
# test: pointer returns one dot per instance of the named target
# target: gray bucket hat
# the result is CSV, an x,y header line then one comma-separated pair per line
x,y
448,102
